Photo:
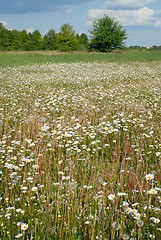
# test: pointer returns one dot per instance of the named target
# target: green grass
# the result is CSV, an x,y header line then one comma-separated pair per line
x,y
10,59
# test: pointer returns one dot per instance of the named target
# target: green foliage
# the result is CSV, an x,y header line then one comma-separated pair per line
x,y
24,37
16,45
14,40
49,40
36,40
83,41
106,34
155,48
66,40
4,39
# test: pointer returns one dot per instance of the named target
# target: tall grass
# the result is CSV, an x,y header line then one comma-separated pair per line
x,y
29,58
80,151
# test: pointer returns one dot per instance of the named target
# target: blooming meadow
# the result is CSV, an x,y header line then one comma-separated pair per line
x,y
80,151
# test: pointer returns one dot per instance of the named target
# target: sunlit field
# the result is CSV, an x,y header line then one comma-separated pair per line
x,y
80,151
12,59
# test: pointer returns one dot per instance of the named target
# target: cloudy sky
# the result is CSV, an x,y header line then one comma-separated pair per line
x,y
140,18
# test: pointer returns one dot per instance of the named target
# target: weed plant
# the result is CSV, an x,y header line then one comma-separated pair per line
x,y
80,151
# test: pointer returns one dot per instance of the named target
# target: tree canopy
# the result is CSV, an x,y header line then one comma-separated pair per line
x,y
106,34
65,40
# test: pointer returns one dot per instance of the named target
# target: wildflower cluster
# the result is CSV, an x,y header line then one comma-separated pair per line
x,y
80,151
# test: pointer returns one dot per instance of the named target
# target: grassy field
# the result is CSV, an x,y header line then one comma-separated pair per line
x,y
80,149
29,58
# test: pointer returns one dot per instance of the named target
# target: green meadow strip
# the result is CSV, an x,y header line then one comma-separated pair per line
x,y
9,59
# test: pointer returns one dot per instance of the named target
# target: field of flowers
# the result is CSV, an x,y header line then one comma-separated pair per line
x,y
80,151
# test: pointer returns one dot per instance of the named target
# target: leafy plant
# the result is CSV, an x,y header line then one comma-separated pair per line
x,y
106,34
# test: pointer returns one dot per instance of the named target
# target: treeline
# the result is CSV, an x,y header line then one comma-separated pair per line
x,y
106,36
65,40
153,48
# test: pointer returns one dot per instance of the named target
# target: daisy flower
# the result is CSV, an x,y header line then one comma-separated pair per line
x,y
156,220
34,189
65,177
111,197
18,235
149,177
152,191
24,226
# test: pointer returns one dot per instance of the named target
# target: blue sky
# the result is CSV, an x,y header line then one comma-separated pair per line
x,y
140,18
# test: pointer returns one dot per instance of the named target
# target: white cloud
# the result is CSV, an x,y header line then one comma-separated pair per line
x,y
158,23
66,9
127,3
29,30
4,23
143,16
88,23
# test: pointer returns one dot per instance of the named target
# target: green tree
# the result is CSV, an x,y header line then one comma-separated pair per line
x,y
25,39
106,34
1,25
35,40
49,40
16,45
83,41
66,40
14,40
4,38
